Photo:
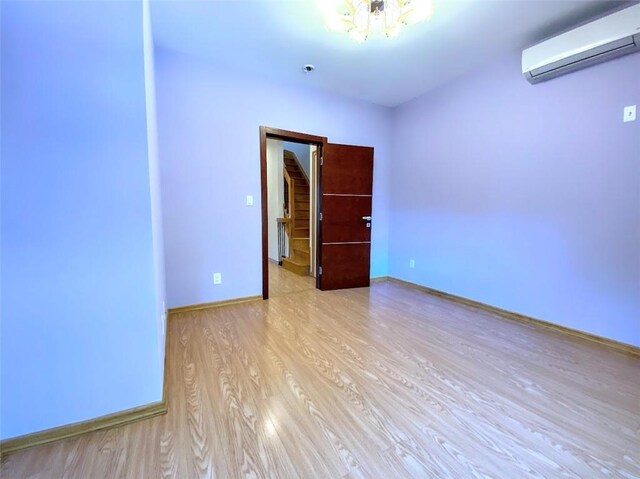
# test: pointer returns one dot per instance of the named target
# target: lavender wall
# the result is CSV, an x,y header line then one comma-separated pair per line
x,y
525,197
209,160
79,325
154,178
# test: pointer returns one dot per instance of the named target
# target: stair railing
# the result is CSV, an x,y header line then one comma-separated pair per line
x,y
282,239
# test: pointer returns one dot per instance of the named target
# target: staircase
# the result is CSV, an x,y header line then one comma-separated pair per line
x,y
298,207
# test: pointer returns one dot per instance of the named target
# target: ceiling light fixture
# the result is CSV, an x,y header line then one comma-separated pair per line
x,y
360,18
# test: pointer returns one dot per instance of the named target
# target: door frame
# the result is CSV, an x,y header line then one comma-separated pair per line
x,y
294,137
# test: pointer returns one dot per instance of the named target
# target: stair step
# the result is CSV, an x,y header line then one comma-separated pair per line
x,y
296,267
300,257
303,255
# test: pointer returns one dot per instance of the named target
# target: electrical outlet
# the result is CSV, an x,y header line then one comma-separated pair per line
x,y
629,113
412,263
217,278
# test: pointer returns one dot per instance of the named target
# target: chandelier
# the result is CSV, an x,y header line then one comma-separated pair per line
x,y
360,18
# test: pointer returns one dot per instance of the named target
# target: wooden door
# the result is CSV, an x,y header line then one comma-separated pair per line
x,y
346,183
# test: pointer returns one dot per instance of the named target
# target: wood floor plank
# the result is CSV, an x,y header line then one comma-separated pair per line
x,y
380,382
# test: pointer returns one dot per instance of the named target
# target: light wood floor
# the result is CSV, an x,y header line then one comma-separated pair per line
x,y
282,281
386,382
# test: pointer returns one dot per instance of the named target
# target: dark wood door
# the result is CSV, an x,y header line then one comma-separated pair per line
x,y
346,183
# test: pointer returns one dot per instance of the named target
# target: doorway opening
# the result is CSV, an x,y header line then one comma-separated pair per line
x,y
320,224
289,174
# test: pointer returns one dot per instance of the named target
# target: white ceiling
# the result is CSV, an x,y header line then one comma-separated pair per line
x,y
274,39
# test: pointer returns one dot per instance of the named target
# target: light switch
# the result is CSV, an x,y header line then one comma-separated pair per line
x,y
249,200
629,113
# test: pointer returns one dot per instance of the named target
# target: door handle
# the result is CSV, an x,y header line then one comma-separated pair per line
x,y
366,218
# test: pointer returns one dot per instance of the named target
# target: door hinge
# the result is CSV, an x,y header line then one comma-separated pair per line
x,y
320,216
321,160
320,270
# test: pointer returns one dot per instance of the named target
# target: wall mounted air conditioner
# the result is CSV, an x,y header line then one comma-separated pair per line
x,y
612,36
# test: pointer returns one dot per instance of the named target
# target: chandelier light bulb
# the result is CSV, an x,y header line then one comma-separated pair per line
x,y
361,18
